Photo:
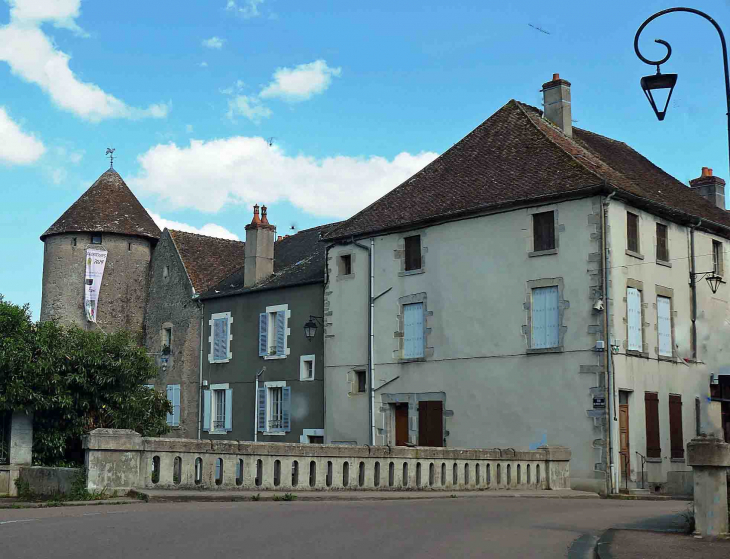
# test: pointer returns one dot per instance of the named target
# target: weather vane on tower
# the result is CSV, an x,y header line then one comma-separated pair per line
x,y
110,153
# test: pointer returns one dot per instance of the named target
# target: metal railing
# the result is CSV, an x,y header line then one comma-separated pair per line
x,y
643,461
219,425
276,424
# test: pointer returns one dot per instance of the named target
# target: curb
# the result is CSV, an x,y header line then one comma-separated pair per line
x,y
623,497
55,504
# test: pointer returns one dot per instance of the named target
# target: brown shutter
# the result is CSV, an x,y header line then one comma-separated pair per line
x,y
675,425
430,423
413,252
632,232
662,249
651,410
543,229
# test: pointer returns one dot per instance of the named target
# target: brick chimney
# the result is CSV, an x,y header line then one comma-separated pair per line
x,y
710,187
556,100
258,262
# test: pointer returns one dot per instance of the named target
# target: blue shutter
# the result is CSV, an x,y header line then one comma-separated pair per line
x,y
263,334
206,410
220,339
280,333
538,334
552,317
664,323
175,405
229,410
413,330
262,409
170,416
286,408
633,310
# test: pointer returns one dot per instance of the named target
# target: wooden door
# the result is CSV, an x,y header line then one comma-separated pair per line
x,y
623,428
431,424
401,424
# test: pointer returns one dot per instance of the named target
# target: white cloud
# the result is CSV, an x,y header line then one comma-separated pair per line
x,y
64,154
248,9
246,170
213,43
58,175
203,64
33,57
249,107
300,83
210,229
17,147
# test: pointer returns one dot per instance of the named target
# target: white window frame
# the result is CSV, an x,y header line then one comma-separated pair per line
x,y
271,318
303,368
629,346
533,342
306,433
213,388
423,333
268,386
214,317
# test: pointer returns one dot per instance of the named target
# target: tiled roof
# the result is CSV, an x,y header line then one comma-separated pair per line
x,y
207,259
298,259
516,156
108,206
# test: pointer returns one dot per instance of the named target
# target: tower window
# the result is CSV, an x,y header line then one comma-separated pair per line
x,y
96,238
74,241
129,246
165,272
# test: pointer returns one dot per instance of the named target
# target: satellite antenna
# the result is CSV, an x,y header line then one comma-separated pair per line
x,y
110,153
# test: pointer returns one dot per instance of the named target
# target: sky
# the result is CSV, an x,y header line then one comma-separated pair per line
x,y
315,109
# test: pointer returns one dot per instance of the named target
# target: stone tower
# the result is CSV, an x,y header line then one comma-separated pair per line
x,y
107,217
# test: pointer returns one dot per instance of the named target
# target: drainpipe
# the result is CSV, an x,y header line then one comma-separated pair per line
x,y
693,286
371,336
255,406
200,378
608,362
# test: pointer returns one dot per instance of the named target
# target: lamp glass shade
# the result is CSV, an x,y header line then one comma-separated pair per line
x,y
310,329
713,280
653,85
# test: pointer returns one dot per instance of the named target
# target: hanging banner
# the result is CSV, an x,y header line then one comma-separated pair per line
x,y
95,262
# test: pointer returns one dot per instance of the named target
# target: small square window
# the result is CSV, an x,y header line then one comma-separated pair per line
x,y
361,379
345,264
306,368
96,239
413,252
543,231
632,232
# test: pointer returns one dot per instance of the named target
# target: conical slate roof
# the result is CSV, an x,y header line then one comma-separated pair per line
x,y
107,207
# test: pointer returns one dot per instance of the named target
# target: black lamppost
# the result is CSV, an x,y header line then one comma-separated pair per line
x,y
661,81
310,327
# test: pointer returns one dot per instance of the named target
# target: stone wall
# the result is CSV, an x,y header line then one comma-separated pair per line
x,y
123,292
171,306
49,481
122,459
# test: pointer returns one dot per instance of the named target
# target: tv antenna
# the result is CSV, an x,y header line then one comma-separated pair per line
x,y
110,153
271,141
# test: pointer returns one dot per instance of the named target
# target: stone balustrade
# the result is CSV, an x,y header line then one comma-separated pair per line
x,y
121,459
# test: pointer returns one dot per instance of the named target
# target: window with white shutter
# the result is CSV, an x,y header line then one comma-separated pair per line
x,y
274,332
173,396
413,340
664,325
633,312
545,317
220,338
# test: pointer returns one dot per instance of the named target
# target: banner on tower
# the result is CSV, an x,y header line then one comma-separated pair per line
x,y
95,262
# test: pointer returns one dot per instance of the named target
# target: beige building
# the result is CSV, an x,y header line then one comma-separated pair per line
x,y
531,286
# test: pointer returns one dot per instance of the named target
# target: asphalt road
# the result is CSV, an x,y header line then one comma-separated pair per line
x,y
470,527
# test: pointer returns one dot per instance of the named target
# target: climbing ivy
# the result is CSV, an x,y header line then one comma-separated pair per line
x,y
73,381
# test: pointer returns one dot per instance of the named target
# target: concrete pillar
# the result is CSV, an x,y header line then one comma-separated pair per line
x,y
21,439
710,458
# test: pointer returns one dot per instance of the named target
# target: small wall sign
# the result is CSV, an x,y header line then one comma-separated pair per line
x,y
599,402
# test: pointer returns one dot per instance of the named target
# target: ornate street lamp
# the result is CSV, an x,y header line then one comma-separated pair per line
x,y
310,327
662,82
712,279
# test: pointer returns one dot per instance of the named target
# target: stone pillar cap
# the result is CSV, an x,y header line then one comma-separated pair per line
x,y
708,451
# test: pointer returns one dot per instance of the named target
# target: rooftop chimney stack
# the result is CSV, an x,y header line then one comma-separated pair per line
x,y
710,187
258,263
556,101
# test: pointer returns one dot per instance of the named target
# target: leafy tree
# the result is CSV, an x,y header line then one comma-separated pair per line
x,y
74,381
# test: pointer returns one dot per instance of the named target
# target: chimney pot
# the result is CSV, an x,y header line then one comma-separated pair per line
x,y
264,219
710,187
556,77
255,219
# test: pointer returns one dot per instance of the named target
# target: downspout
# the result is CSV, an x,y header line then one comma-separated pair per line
x,y
608,362
693,286
256,406
371,336
200,378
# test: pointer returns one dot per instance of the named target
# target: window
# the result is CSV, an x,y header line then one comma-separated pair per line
x,y
306,367
173,396
651,410
413,341
274,405
345,265
96,238
545,318
129,247
717,263
632,232
218,409
413,252
165,272
698,420
633,312
273,332
361,381
220,338
664,325
166,341
74,241
543,231
675,426
662,244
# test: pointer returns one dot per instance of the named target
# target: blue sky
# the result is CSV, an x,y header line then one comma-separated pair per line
x,y
357,95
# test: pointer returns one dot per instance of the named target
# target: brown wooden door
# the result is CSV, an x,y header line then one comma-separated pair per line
x,y
623,428
401,424
430,424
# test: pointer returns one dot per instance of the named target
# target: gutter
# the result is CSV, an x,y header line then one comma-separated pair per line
x,y
693,286
201,305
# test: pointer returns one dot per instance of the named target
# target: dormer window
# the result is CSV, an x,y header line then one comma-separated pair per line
x,y
96,238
